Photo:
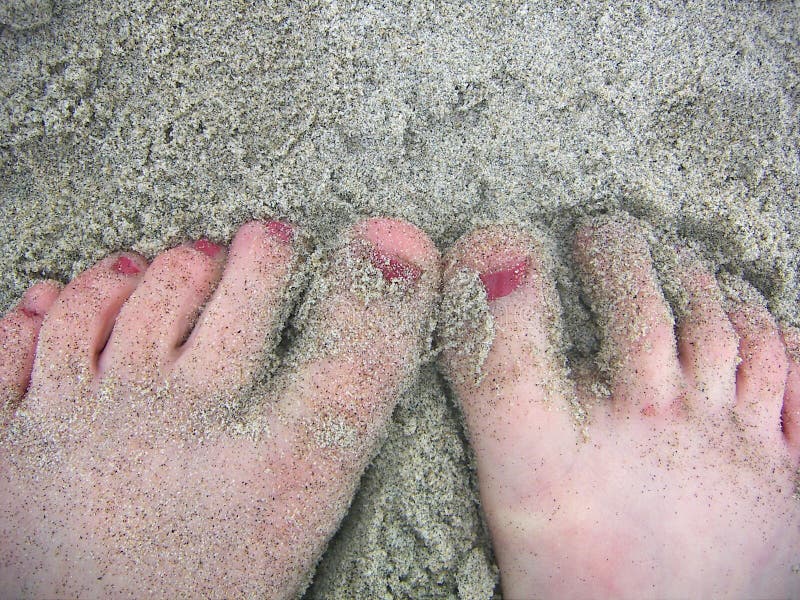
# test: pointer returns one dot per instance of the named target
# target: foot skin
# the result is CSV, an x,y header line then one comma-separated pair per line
x,y
147,457
672,475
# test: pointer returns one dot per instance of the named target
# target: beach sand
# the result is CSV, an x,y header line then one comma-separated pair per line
x,y
139,125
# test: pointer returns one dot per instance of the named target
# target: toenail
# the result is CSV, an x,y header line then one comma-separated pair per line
x,y
502,282
394,269
126,266
208,248
280,230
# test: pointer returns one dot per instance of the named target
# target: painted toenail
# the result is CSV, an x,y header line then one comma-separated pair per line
x,y
208,248
126,266
504,281
280,230
394,269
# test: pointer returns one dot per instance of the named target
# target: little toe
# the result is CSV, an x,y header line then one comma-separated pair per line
x,y
501,334
790,415
159,315
763,366
19,332
242,320
707,342
638,350
77,326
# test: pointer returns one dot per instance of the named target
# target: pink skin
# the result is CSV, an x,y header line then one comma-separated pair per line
x,y
667,495
127,475
790,417
19,331
681,482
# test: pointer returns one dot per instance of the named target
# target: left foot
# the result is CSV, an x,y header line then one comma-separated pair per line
x,y
146,459
681,483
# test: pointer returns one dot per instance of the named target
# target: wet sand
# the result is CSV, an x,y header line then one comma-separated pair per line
x,y
141,125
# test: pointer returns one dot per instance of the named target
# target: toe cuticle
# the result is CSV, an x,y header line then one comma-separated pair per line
x,y
500,282
399,250
393,268
207,247
126,266
29,312
281,231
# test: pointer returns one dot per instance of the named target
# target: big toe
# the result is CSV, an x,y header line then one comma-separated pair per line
x,y
501,334
363,329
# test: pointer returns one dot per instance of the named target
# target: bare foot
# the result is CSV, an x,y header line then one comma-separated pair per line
x,y
145,462
679,479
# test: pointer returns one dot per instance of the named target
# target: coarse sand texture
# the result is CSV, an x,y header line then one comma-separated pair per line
x,y
140,125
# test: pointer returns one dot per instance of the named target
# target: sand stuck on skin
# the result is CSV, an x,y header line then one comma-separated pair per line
x,y
139,125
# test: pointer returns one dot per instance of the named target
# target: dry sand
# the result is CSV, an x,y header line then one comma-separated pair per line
x,y
143,124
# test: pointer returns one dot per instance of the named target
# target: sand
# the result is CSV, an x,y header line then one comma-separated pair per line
x,y
143,124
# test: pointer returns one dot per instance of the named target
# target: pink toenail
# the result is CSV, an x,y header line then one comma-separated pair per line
x,y
280,230
208,248
501,283
126,266
394,269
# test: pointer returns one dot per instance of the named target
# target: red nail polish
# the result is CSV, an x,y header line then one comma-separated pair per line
x,y
280,230
210,249
501,283
394,269
126,266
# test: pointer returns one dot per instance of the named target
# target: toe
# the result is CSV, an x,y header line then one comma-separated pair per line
x,y
19,332
365,332
790,416
160,314
501,332
77,327
763,366
243,318
638,351
364,328
707,342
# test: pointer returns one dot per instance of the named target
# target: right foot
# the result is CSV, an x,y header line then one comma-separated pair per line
x,y
144,462
681,479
